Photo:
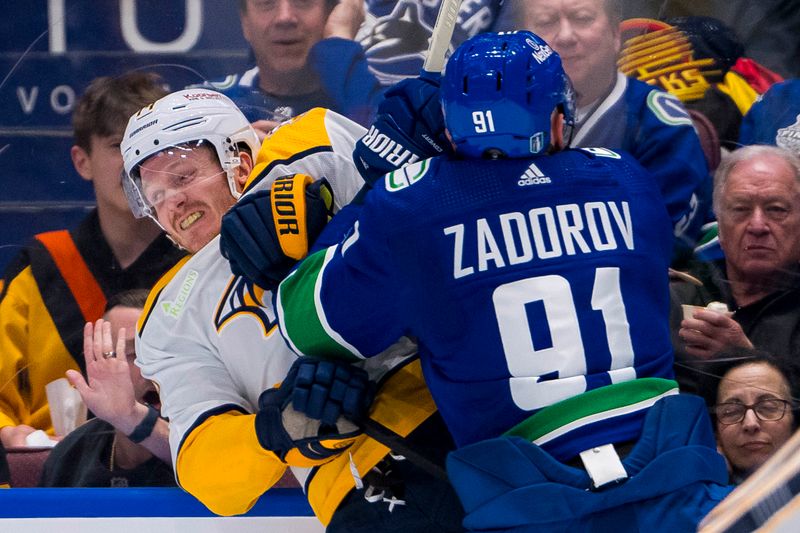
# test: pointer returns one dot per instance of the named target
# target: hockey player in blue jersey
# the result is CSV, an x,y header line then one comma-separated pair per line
x,y
535,282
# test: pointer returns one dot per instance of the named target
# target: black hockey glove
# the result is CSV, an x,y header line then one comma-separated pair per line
x,y
267,232
313,415
409,127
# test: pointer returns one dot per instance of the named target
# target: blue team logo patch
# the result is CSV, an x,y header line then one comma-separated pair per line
x,y
668,109
406,176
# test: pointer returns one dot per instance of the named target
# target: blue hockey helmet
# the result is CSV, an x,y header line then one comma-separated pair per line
x,y
499,91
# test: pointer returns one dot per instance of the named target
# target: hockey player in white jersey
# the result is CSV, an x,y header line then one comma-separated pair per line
x,y
209,337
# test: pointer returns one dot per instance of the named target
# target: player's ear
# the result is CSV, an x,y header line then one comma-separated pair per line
x,y
81,161
557,130
243,170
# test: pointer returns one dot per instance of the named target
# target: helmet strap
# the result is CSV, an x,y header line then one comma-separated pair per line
x,y
230,173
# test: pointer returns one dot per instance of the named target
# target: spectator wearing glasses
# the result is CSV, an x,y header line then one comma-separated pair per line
x,y
753,408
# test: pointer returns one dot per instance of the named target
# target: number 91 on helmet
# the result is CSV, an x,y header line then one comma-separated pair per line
x,y
499,91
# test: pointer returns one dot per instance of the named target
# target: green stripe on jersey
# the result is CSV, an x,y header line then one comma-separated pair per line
x,y
301,316
611,400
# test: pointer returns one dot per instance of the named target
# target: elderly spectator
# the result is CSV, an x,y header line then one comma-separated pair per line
x,y
752,406
757,200
622,113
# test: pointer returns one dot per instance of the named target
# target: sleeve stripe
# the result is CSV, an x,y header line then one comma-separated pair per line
x,y
329,254
299,310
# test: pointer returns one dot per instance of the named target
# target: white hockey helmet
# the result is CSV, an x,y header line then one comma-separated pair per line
x,y
182,117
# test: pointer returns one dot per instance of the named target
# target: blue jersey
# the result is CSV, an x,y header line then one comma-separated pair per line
x,y
654,127
675,477
395,33
346,86
525,282
774,118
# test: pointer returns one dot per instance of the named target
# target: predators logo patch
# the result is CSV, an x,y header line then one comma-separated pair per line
x,y
241,297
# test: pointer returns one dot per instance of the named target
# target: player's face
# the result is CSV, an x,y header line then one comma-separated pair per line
x,y
759,219
749,443
189,192
126,317
103,166
281,32
584,37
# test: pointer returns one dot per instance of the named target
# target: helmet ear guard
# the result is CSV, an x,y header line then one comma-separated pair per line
x,y
499,92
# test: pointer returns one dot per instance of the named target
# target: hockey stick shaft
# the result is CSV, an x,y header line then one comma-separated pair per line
x,y
441,36
400,445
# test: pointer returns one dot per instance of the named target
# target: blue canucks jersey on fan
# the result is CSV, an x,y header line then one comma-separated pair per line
x,y
346,86
525,281
395,33
654,127
774,118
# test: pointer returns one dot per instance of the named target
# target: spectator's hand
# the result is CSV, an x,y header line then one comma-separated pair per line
x,y
305,420
108,393
264,251
708,332
345,19
13,436
263,127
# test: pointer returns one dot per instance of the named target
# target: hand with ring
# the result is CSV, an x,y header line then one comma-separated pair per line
x,y
107,389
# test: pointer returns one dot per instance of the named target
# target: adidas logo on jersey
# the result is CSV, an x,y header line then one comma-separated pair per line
x,y
533,176
386,148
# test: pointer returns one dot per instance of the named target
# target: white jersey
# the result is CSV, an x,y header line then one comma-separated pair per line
x,y
209,339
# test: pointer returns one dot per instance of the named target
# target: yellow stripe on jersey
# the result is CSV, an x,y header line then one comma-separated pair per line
x,y
155,291
222,464
402,404
292,140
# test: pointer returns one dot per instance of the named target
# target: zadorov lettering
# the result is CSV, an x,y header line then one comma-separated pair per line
x,y
284,205
386,148
541,233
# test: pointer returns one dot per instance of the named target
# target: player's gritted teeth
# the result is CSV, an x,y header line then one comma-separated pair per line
x,y
191,219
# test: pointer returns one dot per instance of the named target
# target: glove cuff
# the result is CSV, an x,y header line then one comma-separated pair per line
x,y
385,148
288,202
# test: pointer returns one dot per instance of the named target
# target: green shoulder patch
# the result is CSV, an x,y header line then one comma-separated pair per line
x,y
406,176
668,109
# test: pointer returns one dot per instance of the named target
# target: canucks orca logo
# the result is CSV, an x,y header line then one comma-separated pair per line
x,y
243,298
396,33
668,109
397,42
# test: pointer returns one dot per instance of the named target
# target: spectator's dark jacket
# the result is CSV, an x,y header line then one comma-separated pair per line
x,y
772,323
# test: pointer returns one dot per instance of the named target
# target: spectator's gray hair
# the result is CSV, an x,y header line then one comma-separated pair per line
x,y
746,153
